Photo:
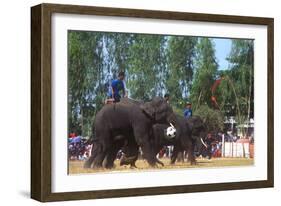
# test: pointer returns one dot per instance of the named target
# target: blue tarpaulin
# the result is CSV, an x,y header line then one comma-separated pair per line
x,y
76,139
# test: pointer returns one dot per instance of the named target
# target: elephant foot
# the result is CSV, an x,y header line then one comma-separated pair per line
x,y
128,160
110,166
97,166
87,165
133,166
160,163
193,162
89,162
153,165
172,162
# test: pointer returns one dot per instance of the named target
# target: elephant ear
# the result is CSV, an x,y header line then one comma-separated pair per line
x,y
148,109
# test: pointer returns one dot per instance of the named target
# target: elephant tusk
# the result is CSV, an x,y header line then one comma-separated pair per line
x,y
172,125
203,142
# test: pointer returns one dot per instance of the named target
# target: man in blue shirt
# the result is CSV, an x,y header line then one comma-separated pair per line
x,y
118,86
188,111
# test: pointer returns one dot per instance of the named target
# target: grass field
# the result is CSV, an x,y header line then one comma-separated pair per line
x,y
76,167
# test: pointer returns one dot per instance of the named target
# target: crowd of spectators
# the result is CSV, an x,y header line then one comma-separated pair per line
x,y
79,148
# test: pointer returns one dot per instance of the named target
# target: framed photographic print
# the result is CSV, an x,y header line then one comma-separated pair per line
x,y
130,102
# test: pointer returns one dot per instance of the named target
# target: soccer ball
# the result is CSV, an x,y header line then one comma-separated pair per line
x,y
171,131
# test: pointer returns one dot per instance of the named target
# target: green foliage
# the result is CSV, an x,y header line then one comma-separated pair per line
x,y
180,58
206,71
214,119
145,65
235,93
83,70
241,59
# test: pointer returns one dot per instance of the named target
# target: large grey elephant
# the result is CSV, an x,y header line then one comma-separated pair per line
x,y
133,120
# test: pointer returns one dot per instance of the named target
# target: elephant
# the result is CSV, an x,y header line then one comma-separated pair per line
x,y
132,119
184,141
197,139
190,134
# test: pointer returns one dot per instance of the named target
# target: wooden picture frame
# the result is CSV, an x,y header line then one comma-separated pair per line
x,y
41,97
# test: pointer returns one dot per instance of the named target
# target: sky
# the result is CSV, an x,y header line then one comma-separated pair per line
x,y
223,47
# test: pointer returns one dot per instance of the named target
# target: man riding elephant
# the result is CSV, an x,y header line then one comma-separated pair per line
x,y
122,117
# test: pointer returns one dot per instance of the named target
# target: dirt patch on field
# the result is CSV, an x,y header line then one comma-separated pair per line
x,y
76,167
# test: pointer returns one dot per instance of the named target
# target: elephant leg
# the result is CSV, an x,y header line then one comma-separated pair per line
x,y
99,160
149,154
125,160
160,162
209,154
180,156
143,139
174,155
91,159
110,158
156,151
99,157
112,153
103,148
89,162
192,160
133,162
131,151
191,156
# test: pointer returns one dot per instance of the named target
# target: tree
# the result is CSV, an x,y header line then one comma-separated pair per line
x,y
241,59
85,76
214,119
206,72
180,58
117,52
144,66
238,88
